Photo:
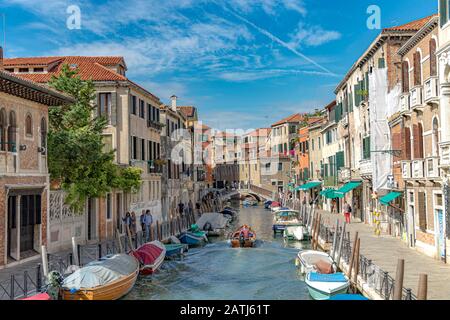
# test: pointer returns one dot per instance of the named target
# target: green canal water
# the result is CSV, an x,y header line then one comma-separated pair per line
x,y
217,272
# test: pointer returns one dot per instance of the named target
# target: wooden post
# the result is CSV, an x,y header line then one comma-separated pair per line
x,y
44,260
150,229
341,243
423,287
76,258
120,241
355,280
333,253
316,242
129,237
398,285
313,229
350,268
158,236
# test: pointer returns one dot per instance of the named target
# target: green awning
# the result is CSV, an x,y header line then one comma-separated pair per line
x,y
325,191
390,197
308,185
329,193
347,188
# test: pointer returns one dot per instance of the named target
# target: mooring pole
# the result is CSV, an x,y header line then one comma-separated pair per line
x,y
44,260
341,243
333,252
350,268
398,285
423,287
355,280
76,258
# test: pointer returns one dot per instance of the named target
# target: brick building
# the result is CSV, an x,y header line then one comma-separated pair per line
x,y
24,178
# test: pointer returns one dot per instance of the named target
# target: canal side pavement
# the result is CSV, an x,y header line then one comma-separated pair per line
x,y
385,250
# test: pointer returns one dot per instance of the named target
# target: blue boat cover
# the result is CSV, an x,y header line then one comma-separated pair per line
x,y
334,277
348,297
101,272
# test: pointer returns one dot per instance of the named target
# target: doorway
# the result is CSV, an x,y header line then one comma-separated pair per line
x,y
91,217
12,227
30,216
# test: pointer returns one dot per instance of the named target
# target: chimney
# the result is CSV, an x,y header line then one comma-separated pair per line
x,y
1,58
174,102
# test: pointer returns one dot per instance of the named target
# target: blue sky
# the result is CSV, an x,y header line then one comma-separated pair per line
x,y
242,63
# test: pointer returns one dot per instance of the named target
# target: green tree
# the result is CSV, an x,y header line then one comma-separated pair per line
x,y
76,155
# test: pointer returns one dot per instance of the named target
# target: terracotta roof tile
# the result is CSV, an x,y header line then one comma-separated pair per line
x,y
411,26
292,118
188,111
107,61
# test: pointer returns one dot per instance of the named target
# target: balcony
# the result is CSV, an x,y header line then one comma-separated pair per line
x,y
432,167
365,167
418,169
344,175
406,169
155,125
404,103
431,91
416,97
445,152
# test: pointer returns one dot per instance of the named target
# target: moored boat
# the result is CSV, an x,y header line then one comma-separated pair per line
x,y
249,203
295,232
284,218
175,249
315,261
267,204
193,238
109,278
348,296
150,256
244,237
324,286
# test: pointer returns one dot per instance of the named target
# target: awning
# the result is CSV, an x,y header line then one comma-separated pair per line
x,y
308,185
389,197
347,188
329,193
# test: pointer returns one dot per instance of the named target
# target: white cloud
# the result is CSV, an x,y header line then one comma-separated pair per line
x,y
312,36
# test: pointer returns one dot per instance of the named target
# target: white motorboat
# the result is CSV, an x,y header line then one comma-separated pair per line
x,y
308,260
324,286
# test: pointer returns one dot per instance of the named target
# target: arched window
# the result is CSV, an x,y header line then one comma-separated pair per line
x,y
417,69
433,60
43,133
3,125
12,130
29,125
436,137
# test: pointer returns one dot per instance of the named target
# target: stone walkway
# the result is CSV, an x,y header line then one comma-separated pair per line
x,y
385,250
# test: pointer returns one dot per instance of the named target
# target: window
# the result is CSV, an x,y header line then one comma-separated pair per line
x,y
104,106
43,133
280,166
9,69
142,109
435,137
108,206
24,70
319,143
38,70
143,149
107,143
422,210
433,61
405,76
417,69
418,141
381,63
133,105
366,148
444,11
134,147
29,125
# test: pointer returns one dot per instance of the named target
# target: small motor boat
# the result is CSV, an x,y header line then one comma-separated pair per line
x,y
325,286
315,261
293,232
267,204
244,237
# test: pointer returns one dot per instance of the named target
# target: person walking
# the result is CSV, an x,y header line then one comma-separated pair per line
x,y
148,223
133,223
127,221
347,212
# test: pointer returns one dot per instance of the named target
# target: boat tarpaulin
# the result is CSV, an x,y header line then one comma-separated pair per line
x,y
147,253
309,185
217,220
390,197
101,272
334,277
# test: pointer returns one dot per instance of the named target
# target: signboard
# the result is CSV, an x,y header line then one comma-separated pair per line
x,y
390,181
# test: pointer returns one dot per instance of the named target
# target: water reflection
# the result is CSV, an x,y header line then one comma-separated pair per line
x,y
217,271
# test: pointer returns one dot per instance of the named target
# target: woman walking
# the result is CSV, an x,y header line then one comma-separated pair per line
x,y
347,211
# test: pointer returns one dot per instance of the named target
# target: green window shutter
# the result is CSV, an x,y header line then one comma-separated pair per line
x,y
113,108
381,63
350,102
443,11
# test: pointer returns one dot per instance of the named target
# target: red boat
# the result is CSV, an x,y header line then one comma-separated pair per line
x,y
39,296
150,256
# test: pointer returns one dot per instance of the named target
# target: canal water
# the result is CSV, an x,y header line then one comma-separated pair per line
x,y
218,272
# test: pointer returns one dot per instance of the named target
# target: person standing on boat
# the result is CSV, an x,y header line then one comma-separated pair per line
x,y
148,220
347,212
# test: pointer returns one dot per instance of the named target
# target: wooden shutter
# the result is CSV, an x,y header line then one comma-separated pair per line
x,y
113,108
407,143
422,208
417,69
405,76
420,143
95,102
433,62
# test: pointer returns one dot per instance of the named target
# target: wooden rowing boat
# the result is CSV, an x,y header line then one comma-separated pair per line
x,y
244,237
123,268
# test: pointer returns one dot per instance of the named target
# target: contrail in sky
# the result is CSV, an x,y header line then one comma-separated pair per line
x,y
277,40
